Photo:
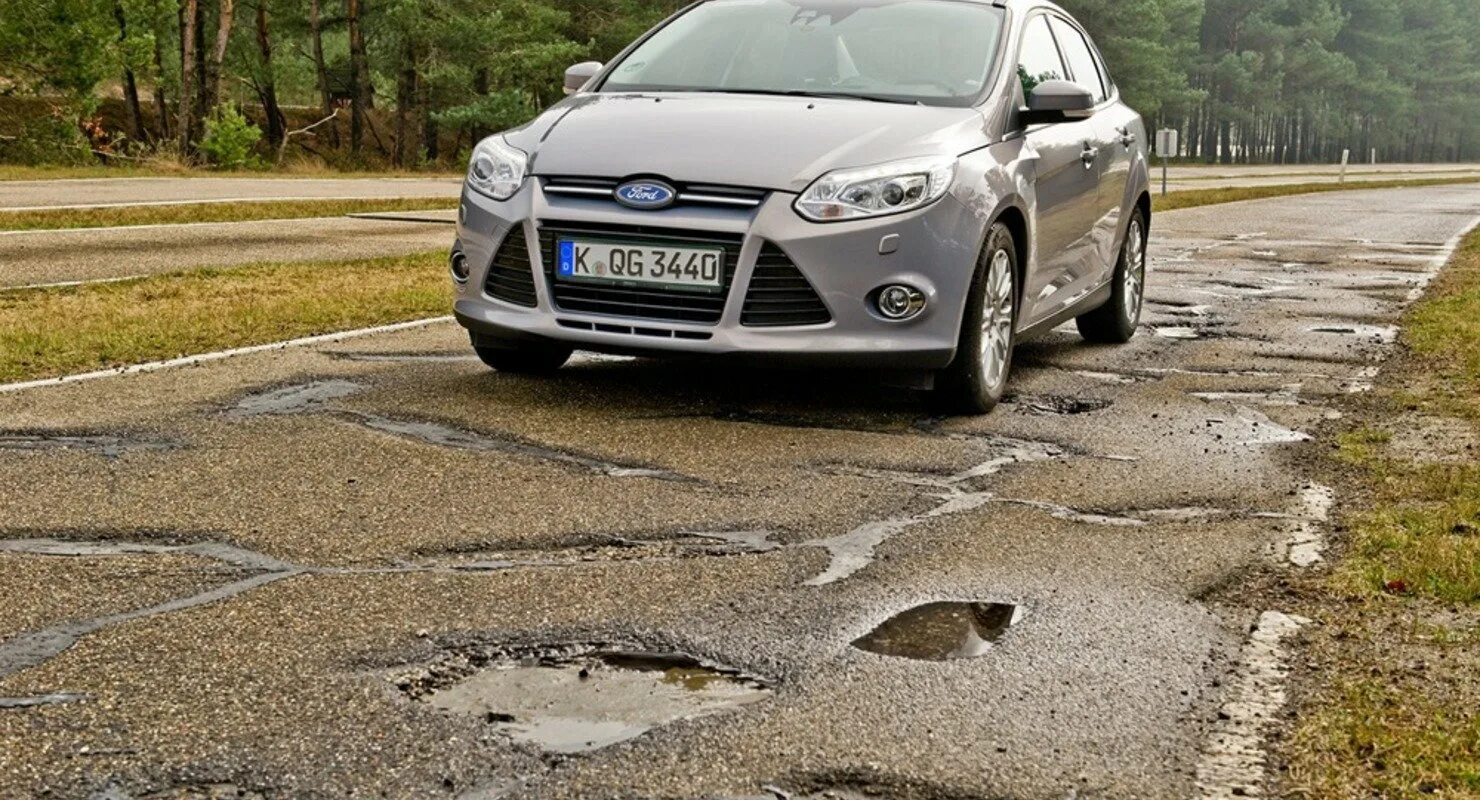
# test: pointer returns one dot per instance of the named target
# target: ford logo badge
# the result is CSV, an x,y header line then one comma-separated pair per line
x,y
646,195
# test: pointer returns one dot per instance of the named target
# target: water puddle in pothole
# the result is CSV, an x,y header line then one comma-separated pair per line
x,y
942,631
1176,332
298,399
1384,334
575,699
1063,405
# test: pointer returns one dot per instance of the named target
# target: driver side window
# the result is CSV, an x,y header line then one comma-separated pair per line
x,y
1039,59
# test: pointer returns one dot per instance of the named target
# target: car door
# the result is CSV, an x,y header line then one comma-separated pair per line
x,y
1066,187
1114,138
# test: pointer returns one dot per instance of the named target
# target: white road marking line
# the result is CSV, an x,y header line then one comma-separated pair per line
x,y
204,358
182,225
1233,758
70,284
1307,546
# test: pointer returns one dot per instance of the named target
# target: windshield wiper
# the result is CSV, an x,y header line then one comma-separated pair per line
x,y
872,98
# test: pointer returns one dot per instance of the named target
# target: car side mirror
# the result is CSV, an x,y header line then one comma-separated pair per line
x,y
1058,101
581,74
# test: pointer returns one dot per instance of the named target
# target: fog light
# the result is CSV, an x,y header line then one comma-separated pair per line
x,y
900,302
459,265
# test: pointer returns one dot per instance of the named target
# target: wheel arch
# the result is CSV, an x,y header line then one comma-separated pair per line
x,y
1015,218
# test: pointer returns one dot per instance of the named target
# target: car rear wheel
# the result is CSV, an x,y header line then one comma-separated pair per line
x,y
977,380
524,358
1116,321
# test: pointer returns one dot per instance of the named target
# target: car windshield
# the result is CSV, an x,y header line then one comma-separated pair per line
x,y
934,52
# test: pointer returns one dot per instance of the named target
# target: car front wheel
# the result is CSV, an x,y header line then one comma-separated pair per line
x,y
1116,321
977,380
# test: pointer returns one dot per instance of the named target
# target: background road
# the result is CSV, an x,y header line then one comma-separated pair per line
x,y
1219,176
393,509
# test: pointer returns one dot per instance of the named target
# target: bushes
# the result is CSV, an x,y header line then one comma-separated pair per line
x,y
44,140
230,141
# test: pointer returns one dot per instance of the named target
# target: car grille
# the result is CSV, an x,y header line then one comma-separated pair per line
x,y
511,276
692,194
780,294
647,302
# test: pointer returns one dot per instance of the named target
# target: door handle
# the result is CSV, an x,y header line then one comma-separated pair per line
x,y
1089,156
1126,137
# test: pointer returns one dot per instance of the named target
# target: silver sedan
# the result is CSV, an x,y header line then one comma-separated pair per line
x,y
905,185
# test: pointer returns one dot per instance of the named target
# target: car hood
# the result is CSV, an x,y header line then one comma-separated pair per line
x,y
764,142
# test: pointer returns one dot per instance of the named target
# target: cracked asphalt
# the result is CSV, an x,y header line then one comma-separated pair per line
x,y
224,564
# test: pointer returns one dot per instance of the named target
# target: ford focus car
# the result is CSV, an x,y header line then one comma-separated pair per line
x,y
910,186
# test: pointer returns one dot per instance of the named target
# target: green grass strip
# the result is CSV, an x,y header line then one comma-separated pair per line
x,y
1193,198
46,333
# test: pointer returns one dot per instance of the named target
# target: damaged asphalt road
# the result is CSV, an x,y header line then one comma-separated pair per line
x,y
376,568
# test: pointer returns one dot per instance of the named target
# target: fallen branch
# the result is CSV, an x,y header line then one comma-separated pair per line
x,y
305,131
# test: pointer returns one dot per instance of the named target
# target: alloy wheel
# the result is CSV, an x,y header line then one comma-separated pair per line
x,y
1135,271
997,319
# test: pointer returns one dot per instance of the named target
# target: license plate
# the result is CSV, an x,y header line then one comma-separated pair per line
x,y
692,268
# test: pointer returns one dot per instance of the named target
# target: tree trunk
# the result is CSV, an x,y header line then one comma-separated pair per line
x,y
213,74
189,17
130,86
276,125
321,69
429,130
406,96
358,76
480,88
161,103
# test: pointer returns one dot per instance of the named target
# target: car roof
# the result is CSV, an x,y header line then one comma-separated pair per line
x,y
1015,5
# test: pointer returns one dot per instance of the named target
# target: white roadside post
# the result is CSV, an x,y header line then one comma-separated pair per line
x,y
1166,146
1346,157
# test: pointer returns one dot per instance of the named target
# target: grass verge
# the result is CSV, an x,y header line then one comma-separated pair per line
x,y
1192,198
50,332
1394,703
63,219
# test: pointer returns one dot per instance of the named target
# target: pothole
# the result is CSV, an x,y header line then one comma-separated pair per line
x,y
106,445
295,399
1385,334
576,698
1178,332
458,439
1061,404
59,698
946,631
611,549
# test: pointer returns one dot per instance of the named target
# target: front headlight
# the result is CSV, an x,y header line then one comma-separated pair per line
x,y
876,191
497,169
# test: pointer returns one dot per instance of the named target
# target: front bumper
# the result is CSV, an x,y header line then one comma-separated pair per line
x,y
934,250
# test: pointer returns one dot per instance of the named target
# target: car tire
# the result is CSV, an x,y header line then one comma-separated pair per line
x,y
1117,320
525,358
976,381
